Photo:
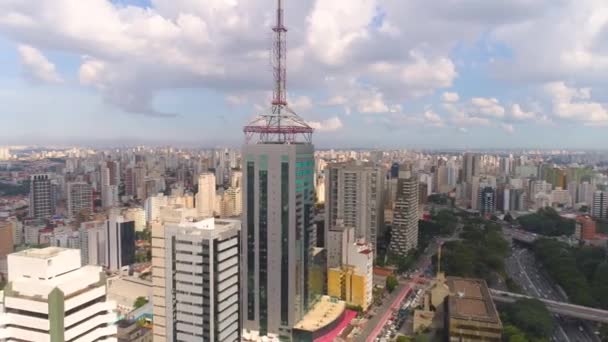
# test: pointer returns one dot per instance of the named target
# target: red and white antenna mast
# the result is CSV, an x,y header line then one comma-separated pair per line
x,y
280,124
279,59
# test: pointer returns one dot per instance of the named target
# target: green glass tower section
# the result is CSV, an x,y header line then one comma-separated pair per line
x,y
278,236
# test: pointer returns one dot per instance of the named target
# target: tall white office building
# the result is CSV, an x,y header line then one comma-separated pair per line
x,y
5,153
93,243
205,198
152,206
585,193
109,190
50,296
202,282
471,166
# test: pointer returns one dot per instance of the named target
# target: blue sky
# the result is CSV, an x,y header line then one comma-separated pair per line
x,y
388,73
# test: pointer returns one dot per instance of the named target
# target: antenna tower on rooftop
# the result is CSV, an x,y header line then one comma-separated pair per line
x,y
280,125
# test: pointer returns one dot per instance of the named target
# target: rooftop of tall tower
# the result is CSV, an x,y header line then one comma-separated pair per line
x,y
323,313
280,124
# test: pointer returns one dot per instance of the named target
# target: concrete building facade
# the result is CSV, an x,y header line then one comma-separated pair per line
x,y
42,204
205,198
354,196
80,198
352,281
203,300
50,296
405,215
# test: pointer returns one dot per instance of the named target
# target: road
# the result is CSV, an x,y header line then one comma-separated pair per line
x,y
380,317
394,305
523,268
374,326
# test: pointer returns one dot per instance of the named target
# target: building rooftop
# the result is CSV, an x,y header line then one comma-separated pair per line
x,y
43,253
470,299
324,312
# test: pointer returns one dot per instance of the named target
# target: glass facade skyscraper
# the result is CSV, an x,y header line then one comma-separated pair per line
x,y
278,236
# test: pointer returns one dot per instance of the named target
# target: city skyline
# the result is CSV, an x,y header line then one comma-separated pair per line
x,y
183,74
218,195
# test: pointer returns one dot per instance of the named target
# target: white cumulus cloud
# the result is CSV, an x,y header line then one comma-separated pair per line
x,y
450,97
36,66
575,104
518,114
329,125
488,107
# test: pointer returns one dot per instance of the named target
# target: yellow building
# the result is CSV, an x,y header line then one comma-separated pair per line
x,y
353,282
345,284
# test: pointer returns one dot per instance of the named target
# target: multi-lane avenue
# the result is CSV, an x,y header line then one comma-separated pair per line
x,y
523,268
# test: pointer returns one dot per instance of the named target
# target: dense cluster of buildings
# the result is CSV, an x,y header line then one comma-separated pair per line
x,y
272,242
320,217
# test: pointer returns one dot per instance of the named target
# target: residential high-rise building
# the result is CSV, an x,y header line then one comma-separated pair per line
x,y
114,172
231,203
42,203
599,210
120,242
585,193
159,279
354,195
487,199
130,182
137,215
441,180
585,228
205,198
236,179
404,233
93,243
50,296
109,191
5,153
80,198
152,206
202,283
471,166
139,176
394,170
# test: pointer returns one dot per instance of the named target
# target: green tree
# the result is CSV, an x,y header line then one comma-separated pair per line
x,y
532,317
391,283
547,221
599,285
404,339
512,333
139,302
560,262
422,338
